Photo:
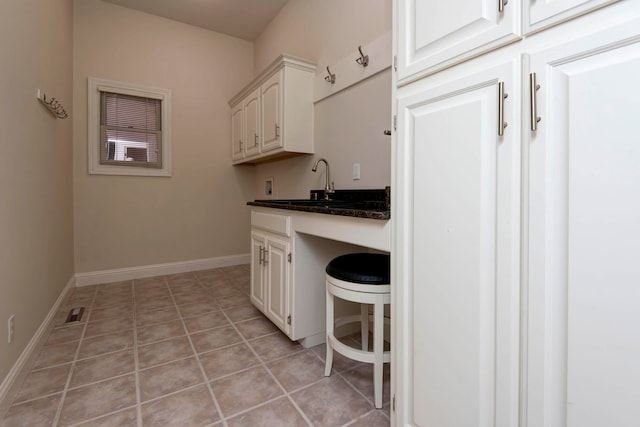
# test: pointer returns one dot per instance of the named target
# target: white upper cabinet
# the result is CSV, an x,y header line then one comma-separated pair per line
x,y
583,247
245,123
272,112
432,35
238,138
277,113
540,14
252,123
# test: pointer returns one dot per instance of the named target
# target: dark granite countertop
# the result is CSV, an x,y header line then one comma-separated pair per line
x,y
372,204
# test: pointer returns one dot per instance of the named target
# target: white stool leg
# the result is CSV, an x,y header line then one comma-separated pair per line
x,y
364,327
378,349
329,355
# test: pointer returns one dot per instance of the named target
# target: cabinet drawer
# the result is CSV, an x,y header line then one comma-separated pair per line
x,y
278,224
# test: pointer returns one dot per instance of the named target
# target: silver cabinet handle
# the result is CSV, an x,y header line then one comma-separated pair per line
x,y
501,97
501,5
255,139
533,88
240,145
261,255
265,256
277,131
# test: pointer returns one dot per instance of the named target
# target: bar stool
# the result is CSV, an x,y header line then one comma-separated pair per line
x,y
362,278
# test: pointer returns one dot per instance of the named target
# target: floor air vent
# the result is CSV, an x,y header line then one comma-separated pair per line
x,y
75,314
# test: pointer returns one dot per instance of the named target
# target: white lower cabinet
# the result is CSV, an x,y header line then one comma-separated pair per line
x,y
458,328
275,257
271,267
583,273
289,253
258,274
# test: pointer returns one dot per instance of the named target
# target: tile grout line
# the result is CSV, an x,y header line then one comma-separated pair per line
x,y
197,357
287,394
63,396
263,363
243,341
96,418
177,295
136,362
137,405
353,386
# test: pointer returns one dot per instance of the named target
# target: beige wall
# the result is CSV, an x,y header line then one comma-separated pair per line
x,y
349,125
348,129
36,205
322,30
50,205
200,211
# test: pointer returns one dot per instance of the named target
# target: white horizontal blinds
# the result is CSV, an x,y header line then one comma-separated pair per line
x,y
130,128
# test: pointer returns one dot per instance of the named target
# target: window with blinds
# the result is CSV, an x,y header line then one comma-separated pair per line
x,y
130,130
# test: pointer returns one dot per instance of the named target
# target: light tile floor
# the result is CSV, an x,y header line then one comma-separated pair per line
x,y
186,350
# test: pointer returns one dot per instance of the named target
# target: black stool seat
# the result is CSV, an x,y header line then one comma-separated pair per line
x,y
371,269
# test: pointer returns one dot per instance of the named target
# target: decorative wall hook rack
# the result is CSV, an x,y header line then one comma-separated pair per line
x,y
331,78
363,59
53,105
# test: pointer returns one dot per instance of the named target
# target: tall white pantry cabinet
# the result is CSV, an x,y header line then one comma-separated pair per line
x,y
516,206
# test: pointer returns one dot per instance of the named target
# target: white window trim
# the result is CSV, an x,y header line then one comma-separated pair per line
x,y
97,85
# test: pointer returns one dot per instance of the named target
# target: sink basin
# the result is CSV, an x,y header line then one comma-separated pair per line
x,y
334,204
305,202
367,203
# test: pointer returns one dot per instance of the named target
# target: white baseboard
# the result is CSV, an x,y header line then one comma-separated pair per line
x,y
117,275
7,390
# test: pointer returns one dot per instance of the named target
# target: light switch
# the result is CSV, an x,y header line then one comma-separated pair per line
x,y
356,171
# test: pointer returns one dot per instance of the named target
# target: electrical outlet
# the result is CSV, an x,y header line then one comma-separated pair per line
x,y
268,186
11,328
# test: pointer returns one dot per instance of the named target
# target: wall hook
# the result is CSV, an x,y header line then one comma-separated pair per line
x,y
364,59
331,78
54,106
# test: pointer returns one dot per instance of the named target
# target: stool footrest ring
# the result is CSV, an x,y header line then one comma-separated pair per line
x,y
354,353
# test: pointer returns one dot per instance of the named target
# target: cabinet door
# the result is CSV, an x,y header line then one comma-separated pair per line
x,y
258,244
237,132
583,246
456,302
277,304
272,112
432,35
252,123
539,14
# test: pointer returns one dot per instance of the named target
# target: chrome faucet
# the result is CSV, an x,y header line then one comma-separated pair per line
x,y
328,189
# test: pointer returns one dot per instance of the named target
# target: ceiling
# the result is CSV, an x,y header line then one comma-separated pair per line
x,y
245,19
